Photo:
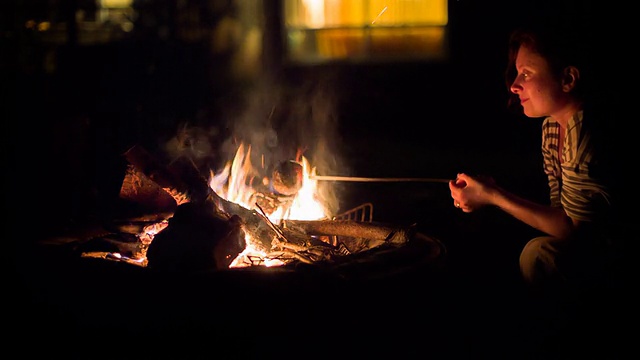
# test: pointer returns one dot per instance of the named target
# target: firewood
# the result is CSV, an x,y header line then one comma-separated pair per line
x,y
354,245
148,198
186,185
196,239
351,228
285,255
160,174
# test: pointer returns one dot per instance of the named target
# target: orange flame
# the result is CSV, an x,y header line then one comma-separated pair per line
x,y
234,183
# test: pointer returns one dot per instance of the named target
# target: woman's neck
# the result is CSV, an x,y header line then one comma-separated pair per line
x,y
563,115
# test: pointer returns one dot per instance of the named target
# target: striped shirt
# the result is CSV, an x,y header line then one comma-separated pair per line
x,y
576,183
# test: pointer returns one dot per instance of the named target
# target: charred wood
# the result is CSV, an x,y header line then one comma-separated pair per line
x,y
185,185
207,231
352,228
174,184
197,239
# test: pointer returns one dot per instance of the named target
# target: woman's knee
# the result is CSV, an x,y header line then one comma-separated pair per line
x,y
538,258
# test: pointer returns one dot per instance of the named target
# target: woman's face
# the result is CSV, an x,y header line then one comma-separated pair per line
x,y
541,93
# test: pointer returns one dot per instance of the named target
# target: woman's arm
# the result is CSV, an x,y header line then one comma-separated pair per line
x,y
472,193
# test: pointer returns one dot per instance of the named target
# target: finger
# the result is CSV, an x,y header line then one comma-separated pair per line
x,y
466,208
461,180
456,184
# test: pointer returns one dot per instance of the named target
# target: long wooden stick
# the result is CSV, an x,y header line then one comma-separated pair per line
x,y
371,179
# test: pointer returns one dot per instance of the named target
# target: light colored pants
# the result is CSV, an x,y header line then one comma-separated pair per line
x,y
547,261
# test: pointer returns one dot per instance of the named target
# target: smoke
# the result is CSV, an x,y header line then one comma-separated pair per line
x,y
278,122
282,122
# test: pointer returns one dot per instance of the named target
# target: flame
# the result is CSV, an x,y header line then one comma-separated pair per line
x,y
306,204
237,183
232,183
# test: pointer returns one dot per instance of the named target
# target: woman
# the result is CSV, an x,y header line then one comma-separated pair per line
x,y
548,78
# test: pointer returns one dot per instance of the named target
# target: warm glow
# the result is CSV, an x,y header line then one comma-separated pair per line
x,y
359,29
314,9
116,3
340,13
253,256
234,183
408,12
306,205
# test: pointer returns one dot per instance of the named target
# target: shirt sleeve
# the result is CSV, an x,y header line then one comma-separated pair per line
x,y
583,195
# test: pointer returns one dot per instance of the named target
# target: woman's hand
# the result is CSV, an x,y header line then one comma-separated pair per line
x,y
470,193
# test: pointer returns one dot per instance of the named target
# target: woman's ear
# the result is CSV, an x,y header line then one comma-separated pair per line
x,y
570,78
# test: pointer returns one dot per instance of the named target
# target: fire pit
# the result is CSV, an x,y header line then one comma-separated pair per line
x,y
200,230
304,282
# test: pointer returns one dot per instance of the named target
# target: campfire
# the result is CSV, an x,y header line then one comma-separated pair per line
x,y
246,216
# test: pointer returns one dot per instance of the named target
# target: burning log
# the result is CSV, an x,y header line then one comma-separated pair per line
x,y
147,195
353,229
171,182
354,235
208,232
186,185
197,239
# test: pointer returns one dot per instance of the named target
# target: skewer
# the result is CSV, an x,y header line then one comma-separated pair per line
x,y
371,179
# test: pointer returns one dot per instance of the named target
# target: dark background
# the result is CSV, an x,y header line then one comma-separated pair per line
x,y
64,132
66,129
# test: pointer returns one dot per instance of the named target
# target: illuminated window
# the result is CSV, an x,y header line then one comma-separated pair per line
x,y
334,30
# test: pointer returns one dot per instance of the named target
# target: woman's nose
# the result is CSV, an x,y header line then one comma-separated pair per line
x,y
515,87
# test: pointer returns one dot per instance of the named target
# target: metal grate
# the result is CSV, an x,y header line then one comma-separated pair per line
x,y
363,212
